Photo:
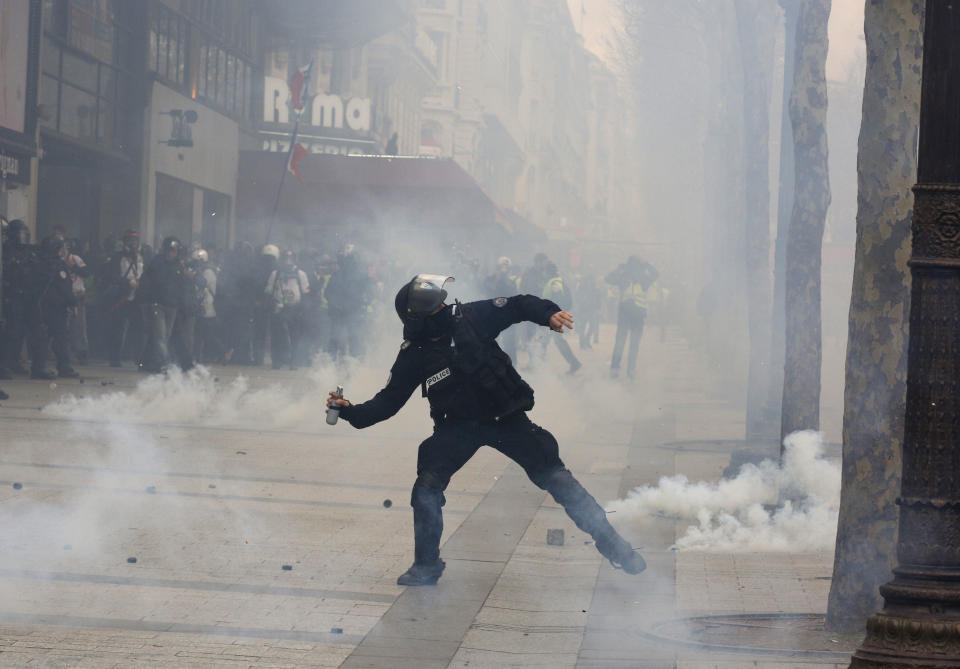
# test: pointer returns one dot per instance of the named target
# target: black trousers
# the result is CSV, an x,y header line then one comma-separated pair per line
x,y
630,321
159,321
454,442
14,332
285,336
122,317
48,329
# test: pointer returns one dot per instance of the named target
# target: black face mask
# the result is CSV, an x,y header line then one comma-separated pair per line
x,y
437,326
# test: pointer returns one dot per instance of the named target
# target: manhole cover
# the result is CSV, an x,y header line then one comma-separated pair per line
x,y
798,635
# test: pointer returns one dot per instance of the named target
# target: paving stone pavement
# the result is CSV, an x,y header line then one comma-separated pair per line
x,y
213,510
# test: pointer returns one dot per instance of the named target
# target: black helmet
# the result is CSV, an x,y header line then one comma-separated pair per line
x,y
53,246
421,296
18,234
131,240
170,244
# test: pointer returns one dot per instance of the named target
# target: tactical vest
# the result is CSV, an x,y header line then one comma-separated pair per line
x,y
485,383
635,294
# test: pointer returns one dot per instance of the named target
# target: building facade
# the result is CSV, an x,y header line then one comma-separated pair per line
x,y
19,62
145,110
536,119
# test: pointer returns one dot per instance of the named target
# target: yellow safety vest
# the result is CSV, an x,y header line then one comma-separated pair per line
x,y
553,288
636,294
325,278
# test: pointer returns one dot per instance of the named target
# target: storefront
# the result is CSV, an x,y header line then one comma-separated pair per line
x,y
370,200
190,176
20,23
90,103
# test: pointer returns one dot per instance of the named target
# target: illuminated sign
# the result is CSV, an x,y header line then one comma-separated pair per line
x,y
326,111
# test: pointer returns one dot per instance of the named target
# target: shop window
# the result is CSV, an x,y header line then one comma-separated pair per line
x,y
80,72
51,59
79,87
216,220
78,111
174,209
49,106
168,45
92,28
79,97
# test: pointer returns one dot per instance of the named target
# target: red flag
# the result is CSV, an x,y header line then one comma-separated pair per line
x,y
299,84
296,155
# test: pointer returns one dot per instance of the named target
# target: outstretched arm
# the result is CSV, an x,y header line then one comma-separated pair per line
x,y
385,403
491,317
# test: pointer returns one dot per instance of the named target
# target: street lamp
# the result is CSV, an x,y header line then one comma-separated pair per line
x,y
919,626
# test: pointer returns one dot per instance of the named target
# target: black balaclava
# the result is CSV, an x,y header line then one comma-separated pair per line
x,y
439,325
426,328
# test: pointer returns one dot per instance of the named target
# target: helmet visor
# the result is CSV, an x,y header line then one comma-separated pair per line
x,y
426,294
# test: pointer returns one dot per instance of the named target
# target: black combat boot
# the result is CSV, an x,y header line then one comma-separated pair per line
x,y
620,553
427,503
422,574
591,518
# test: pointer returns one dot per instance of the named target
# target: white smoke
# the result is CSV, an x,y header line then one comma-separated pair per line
x,y
731,515
199,397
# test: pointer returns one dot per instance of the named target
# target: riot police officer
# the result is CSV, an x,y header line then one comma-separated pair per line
x,y
120,279
161,291
4,373
18,256
49,299
476,398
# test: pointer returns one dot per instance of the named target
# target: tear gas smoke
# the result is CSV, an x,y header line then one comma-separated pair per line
x,y
732,514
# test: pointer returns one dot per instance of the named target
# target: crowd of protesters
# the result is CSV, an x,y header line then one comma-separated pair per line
x,y
182,305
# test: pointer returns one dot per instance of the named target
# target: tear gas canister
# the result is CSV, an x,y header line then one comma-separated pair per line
x,y
333,412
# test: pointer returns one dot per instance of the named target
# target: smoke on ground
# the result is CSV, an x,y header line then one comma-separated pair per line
x,y
743,514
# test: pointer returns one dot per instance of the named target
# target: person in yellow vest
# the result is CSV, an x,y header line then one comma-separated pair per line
x,y
317,312
503,283
634,279
556,291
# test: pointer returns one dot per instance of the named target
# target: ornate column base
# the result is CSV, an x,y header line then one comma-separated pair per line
x,y
919,626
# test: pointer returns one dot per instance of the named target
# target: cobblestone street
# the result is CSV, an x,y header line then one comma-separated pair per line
x,y
190,544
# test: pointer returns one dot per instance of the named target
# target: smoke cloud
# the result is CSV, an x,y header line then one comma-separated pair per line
x,y
742,514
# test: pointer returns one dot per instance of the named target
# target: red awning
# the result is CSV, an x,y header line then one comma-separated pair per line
x,y
424,193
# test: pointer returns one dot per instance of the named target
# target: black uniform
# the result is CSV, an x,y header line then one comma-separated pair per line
x,y
49,298
160,292
183,335
477,398
349,293
17,262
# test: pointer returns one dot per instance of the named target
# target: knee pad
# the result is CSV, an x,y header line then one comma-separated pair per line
x,y
563,487
554,479
426,496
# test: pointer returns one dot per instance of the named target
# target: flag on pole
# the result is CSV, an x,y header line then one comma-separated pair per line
x,y
297,153
299,84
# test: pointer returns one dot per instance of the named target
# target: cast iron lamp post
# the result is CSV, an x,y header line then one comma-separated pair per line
x,y
919,625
